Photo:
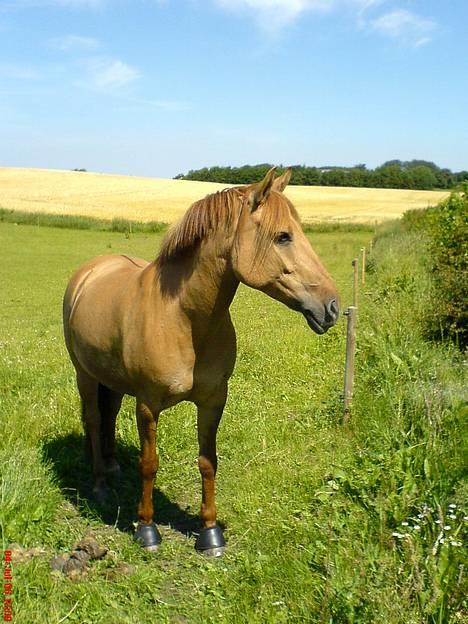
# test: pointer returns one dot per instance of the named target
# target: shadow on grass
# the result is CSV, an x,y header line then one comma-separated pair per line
x,y
74,476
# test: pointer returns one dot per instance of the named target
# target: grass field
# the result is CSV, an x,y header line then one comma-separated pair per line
x,y
311,508
146,199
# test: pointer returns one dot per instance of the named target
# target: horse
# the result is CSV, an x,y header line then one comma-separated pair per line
x,y
161,331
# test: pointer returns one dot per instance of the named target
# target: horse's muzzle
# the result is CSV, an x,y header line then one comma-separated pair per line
x,y
320,319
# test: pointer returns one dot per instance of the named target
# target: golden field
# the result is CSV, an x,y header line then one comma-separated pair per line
x,y
148,199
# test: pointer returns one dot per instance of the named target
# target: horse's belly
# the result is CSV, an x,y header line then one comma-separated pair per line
x,y
102,364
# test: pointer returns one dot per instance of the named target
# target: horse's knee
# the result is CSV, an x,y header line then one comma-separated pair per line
x,y
207,466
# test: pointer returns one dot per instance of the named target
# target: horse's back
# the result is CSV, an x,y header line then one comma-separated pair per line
x,y
100,274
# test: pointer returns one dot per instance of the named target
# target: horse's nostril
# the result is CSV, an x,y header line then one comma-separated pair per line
x,y
332,309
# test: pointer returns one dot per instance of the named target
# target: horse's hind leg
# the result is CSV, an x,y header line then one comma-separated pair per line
x,y
88,389
109,403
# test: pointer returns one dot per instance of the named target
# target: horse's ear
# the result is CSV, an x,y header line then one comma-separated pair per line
x,y
282,181
261,190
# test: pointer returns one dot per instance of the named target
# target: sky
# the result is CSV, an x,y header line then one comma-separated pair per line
x,y
158,87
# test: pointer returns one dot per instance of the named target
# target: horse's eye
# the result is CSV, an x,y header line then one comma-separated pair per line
x,y
283,238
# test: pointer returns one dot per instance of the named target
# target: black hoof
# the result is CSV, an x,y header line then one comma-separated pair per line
x,y
211,542
148,536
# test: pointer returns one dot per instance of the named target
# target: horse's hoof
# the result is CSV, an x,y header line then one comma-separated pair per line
x,y
148,536
211,542
213,552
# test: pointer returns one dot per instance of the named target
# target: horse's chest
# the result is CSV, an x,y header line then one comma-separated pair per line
x,y
195,385
181,386
179,371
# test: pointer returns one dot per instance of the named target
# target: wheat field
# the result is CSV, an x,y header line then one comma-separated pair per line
x,y
148,199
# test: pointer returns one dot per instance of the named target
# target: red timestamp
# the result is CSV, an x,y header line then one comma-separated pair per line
x,y
7,587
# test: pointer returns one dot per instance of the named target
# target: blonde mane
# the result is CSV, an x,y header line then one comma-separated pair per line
x,y
218,211
201,219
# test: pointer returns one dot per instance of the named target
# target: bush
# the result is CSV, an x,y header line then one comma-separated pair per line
x,y
446,227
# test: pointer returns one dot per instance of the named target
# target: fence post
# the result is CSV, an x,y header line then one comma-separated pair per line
x,y
363,277
355,264
351,313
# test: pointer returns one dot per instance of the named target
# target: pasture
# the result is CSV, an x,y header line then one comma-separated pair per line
x,y
310,508
145,199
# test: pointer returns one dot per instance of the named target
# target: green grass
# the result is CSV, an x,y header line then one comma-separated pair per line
x,y
309,506
327,227
79,222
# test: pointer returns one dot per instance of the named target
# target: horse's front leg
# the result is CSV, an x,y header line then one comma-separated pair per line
x,y
147,533
211,539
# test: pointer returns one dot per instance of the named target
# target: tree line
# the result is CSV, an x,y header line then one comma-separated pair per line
x,y
412,174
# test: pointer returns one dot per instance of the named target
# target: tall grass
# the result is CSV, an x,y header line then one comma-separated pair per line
x,y
76,222
126,226
409,473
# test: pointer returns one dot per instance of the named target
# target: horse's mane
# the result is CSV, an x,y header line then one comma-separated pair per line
x,y
218,211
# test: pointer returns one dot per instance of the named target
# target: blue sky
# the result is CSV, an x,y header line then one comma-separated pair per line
x,y
157,87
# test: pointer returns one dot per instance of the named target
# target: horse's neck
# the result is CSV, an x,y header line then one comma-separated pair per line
x,y
204,286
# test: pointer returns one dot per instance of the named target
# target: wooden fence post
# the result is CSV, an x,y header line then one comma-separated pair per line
x,y
351,313
355,264
363,278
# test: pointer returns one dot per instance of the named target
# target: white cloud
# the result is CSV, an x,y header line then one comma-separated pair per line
x,y
364,5
75,42
273,15
399,24
105,74
405,26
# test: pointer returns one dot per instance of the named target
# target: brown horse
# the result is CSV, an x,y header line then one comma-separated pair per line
x,y
162,331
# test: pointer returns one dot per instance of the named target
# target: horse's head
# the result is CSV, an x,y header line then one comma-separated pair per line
x,y
272,254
